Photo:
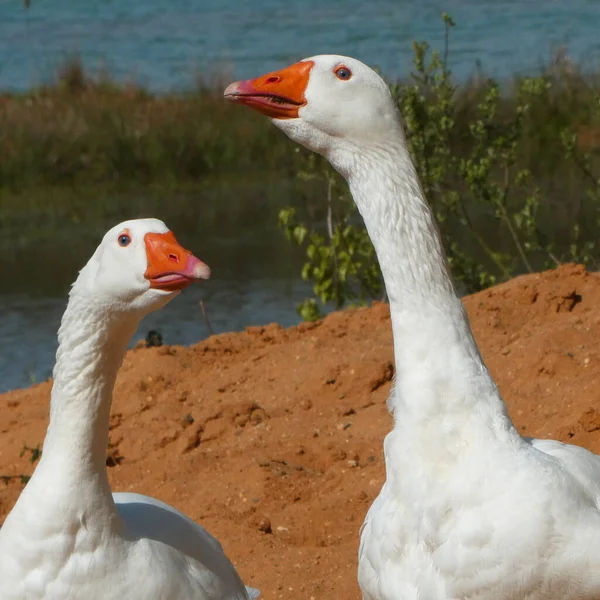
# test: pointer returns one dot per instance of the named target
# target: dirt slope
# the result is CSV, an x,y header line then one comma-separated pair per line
x,y
272,438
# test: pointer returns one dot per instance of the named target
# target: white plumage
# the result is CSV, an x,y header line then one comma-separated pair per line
x,y
68,537
469,510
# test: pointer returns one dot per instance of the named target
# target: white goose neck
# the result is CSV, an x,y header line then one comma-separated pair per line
x,y
386,189
92,343
439,369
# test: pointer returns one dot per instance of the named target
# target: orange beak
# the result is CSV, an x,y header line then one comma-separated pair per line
x,y
279,95
170,266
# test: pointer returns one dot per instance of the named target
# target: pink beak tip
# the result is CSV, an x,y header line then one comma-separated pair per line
x,y
202,271
238,88
197,269
232,89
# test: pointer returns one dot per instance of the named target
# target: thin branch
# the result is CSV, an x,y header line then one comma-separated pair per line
x,y
446,45
511,229
491,254
339,302
517,242
205,317
585,169
554,258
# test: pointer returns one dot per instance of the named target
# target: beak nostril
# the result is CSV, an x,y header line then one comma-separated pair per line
x,y
273,79
173,258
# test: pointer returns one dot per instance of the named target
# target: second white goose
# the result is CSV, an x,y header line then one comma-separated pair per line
x,y
469,509
68,537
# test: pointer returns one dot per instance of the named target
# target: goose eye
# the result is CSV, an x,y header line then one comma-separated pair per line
x,y
124,239
343,73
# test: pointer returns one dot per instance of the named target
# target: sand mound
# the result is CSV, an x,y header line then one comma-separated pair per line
x,y
272,438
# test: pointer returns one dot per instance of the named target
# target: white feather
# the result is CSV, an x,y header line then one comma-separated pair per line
x,y
469,510
68,537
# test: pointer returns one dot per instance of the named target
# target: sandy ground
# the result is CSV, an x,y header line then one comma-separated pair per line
x,y
272,438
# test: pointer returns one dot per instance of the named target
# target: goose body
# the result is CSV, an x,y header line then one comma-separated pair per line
x,y
469,510
68,537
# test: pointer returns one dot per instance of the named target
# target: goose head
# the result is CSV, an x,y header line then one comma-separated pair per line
x,y
326,103
138,267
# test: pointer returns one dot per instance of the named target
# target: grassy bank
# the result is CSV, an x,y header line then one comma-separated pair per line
x,y
86,131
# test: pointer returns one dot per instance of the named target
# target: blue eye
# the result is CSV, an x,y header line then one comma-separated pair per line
x,y
124,239
343,73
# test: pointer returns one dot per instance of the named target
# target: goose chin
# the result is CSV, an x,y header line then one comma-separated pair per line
x,y
270,105
170,282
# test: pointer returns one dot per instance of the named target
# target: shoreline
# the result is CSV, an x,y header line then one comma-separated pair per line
x,y
272,437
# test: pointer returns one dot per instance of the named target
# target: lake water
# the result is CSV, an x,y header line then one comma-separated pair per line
x,y
164,44
255,271
28,325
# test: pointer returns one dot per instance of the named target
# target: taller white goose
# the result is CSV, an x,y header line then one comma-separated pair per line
x,y
67,537
469,509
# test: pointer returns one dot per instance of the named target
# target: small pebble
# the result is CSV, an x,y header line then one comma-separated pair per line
x,y
264,525
187,420
306,403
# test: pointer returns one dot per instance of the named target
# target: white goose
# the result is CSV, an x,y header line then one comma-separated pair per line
x,y
469,509
68,537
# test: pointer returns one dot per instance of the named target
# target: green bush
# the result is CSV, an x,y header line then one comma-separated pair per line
x,y
480,156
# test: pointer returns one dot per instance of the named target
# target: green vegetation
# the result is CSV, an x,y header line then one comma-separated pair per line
x,y
34,456
80,155
86,131
112,458
511,175
511,171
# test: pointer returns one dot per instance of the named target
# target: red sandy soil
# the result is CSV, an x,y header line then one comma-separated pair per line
x,y
272,438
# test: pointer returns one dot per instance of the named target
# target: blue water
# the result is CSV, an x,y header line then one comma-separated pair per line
x,y
28,325
165,43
